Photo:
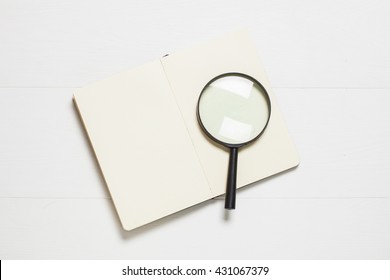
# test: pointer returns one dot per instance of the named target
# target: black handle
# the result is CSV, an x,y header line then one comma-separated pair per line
x,y
230,197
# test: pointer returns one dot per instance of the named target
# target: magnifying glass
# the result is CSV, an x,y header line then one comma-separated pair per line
x,y
233,110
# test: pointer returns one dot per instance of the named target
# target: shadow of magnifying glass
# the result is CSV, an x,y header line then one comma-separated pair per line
x,y
233,110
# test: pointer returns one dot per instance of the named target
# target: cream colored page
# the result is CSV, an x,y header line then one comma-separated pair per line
x,y
142,145
189,71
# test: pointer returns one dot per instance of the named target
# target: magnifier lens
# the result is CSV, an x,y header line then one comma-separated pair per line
x,y
233,110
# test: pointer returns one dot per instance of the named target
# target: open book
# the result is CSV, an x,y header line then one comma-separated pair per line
x,y
154,157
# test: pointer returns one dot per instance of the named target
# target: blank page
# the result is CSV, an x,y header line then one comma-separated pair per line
x,y
142,145
189,71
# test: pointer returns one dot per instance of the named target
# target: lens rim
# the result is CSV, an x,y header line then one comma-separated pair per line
x,y
266,95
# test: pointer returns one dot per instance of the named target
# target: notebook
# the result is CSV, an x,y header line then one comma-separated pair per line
x,y
153,155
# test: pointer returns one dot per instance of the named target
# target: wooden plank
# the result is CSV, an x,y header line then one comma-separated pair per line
x,y
342,137
44,151
259,229
73,43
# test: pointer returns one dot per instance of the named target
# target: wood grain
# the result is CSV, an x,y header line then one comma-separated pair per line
x,y
304,43
342,136
263,229
330,66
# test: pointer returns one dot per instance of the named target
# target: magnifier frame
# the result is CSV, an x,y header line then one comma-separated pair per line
x,y
267,98
230,197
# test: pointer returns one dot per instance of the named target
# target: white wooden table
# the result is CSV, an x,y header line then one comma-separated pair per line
x,y
329,62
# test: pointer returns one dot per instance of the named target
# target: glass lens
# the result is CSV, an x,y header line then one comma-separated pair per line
x,y
234,109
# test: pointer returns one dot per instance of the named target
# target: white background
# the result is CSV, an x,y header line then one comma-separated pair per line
x,y
329,64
